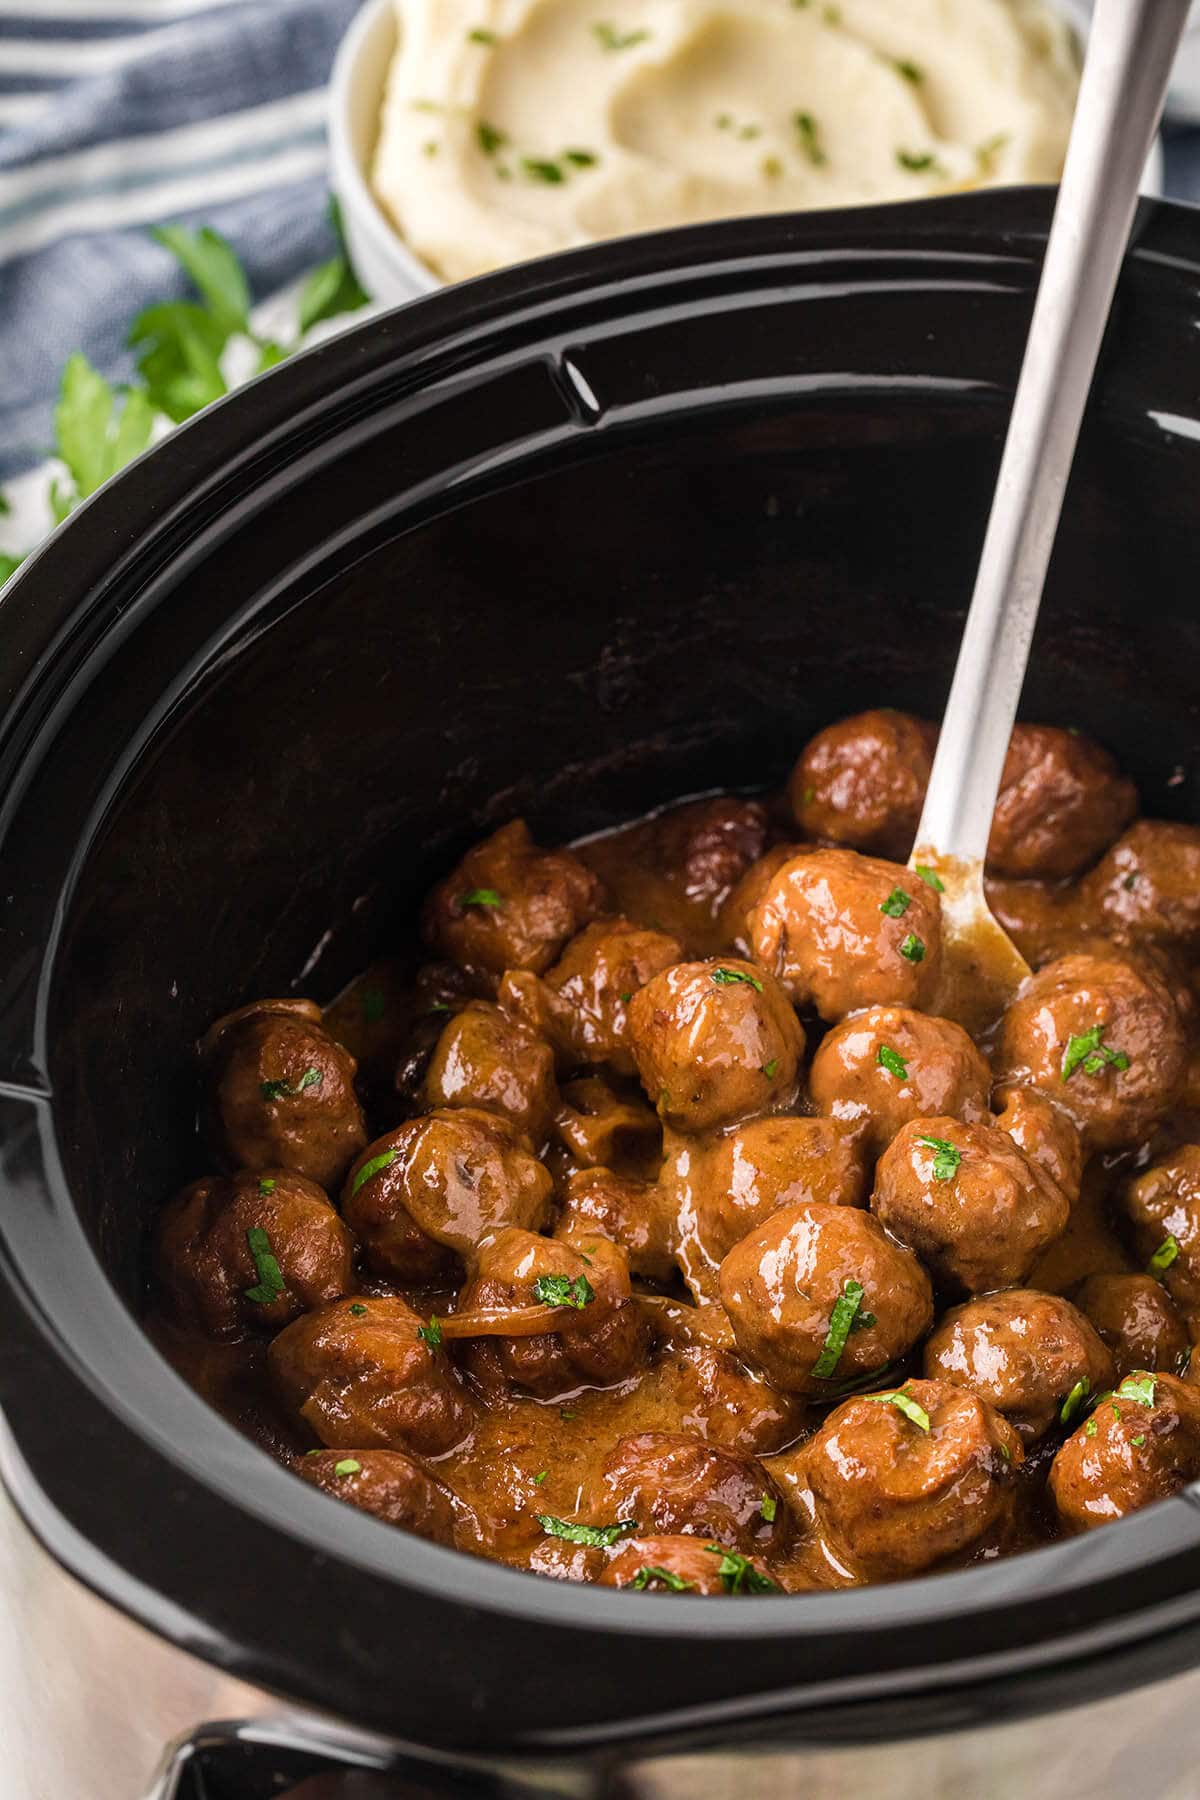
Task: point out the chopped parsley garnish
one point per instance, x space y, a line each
650 1573
772 168
1006 1453
749 132
626 998
904 1403
768 1506
1137 1387
896 904
739 1575
946 1158
985 156
560 1290
1074 1400
277 1090
609 38
771 1069
810 138
724 121
583 159
383 1161
596 1537
270 1282
480 36
374 1006
310 1078
809 795
266 1185
347 1466
727 977
565 1413
358 1310
892 1061
841 1323
540 1477
930 878
911 71
491 138
913 949
1090 1428
431 1334
917 160
1091 1054
1163 1257
484 896
541 168
1139 1440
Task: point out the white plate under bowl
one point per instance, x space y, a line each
388 269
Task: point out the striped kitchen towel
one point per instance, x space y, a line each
116 115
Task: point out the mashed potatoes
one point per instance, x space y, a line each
517 127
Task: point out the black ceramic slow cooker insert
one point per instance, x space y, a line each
566 542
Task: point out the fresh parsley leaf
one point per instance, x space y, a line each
913 949
911 71
896 904
266 1185
480 36
491 138
1089 1052
1138 1441
215 270
92 436
179 347
279 1090
582 159
916 160
912 1409
728 978
1137 1387
1090 1428
946 1159
358 1310
597 1537
431 1334
383 1161
770 1069
768 1506
480 897
1163 1257
810 138
650 1574
541 168
841 1321
348 1466
540 1477
1074 1400
333 288
892 1061
560 1290
270 1282
610 38
930 879
739 1575
5 507
566 1414
8 566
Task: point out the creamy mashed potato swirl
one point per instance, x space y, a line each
513 128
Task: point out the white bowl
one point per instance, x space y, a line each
386 266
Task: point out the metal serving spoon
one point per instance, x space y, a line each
1126 71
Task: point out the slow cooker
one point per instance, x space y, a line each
564 542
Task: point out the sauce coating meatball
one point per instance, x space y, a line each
683 1565
598 1126
631 1213
1148 886
510 904
1030 1355
968 1202
707 845
1141 1443
1044 1133
442 1184
487 1059
886 1065
714 1042
250 1251
1062 801
745 897
1163 1206
819 1296
383 1482
675 1484
862 781
842 931
583 1002
279 1092
1136 1320
1102 1037
359 1374
895 1492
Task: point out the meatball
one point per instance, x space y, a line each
250 1250
598 1126
599 1336
360 1374
708 1390
972 1205
842 931
1135 1318
1062 802
714 1042
862 782
487 1059
1141 1443
1030 1355
887 1065
1148 886
684 1565
819 1297
900 1482
387 1484
1045 1134
442 1184
1163 1206
707 845
1101 1036
510 904
1041 917
279 1093
744 898
673 1483
630 1213
583 1003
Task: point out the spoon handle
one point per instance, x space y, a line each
1125 76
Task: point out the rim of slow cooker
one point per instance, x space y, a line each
94 1370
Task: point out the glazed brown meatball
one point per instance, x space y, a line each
1164 1204
1148 886
598 1126
707 1389
714 1042
358 1374
892 1498
510 904
1041 917
442 1184
782 1284
630 1213
487 1059
1135 1318
1062 802
279 1093
862 782
1101 1036
1141 1443
1030 1355
842 931
583 1003
968 1202
673 1483
599 1335
707 845
745 897
387 1484
205 1263
887 1065
684 1565
1044 1133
